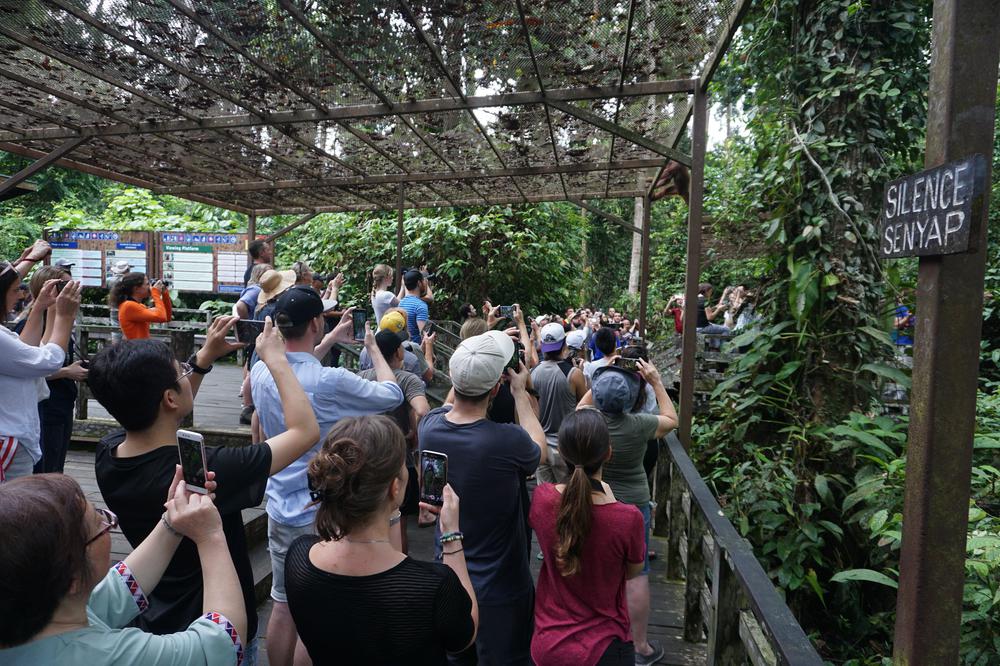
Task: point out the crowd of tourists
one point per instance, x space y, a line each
550 429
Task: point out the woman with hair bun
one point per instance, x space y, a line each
592 544
354 596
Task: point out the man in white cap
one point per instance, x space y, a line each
487 462
560 385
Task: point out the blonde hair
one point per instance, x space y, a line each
380 273
473 326
256 272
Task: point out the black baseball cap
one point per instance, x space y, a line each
300 304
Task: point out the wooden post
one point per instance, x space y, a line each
182 344
677 524
695 583
693 273
399 239
960 122
251 227
83 392
724 644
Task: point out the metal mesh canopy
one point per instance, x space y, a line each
292 106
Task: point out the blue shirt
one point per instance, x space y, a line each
487 463
249 297
416 310
903 336
334 393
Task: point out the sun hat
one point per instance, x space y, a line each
274 282
63 262
553 336
121 267
615 390
479 361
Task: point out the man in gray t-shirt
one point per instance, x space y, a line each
560 385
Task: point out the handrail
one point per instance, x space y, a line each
738 580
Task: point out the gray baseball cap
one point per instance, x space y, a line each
615 390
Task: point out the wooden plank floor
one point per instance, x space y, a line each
666 621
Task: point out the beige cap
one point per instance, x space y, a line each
479 361
272 283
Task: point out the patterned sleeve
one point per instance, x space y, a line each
118 598
211 640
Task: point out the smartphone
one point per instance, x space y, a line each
191 446
360 321
517 357
247 330
61 285
428 328
507 312
433 477
631 364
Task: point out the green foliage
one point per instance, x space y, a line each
526 255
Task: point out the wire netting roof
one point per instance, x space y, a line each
311 106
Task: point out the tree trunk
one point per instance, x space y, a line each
636 263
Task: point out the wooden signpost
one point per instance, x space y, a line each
932 212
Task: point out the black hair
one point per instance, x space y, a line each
122 289
473 398
255 247
129 378
289 330
605 340
412 279
555 355
388 343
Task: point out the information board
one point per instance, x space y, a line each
92 253
203 262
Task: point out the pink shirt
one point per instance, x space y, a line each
577 616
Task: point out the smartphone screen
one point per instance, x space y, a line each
360 320
247 330
428 328
507 312
517 357
191 446
627 363
433 477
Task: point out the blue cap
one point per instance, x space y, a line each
615 390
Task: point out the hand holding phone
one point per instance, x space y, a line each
359 320
191 448
247 330
433 477
507 312
630 364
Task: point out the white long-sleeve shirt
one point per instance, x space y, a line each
20 366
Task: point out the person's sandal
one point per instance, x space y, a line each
652 657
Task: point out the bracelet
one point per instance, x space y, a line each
170 528
395 518
195 368
451 536
452 552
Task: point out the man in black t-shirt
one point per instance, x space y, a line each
149 392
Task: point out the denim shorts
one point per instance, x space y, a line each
647 519
279 540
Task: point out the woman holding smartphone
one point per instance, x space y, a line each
591 544
134 316
390 608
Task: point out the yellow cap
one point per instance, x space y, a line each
393 321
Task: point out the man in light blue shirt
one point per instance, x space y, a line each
418 293
334 393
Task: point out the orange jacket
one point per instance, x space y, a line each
135 318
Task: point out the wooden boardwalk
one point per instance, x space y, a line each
666 621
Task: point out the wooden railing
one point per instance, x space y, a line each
729 600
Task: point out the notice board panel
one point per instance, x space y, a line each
203 262
93 252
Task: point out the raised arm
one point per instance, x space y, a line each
31 334
216 346
301 428
526 416
668 415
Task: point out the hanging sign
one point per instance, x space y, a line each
930 213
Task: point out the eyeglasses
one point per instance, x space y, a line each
109 521
186 370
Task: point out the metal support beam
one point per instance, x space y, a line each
693 273
381 179
644 270
40 164
960 122
610 217
294 225
399 238
732 24
618 130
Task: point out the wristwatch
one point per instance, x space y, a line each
195 368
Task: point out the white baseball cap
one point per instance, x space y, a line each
121 267
576 339
552 336
479 361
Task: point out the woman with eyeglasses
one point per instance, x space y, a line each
60 603
27 359
129 295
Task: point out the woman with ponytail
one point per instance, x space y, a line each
354 596
592 544
382 298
